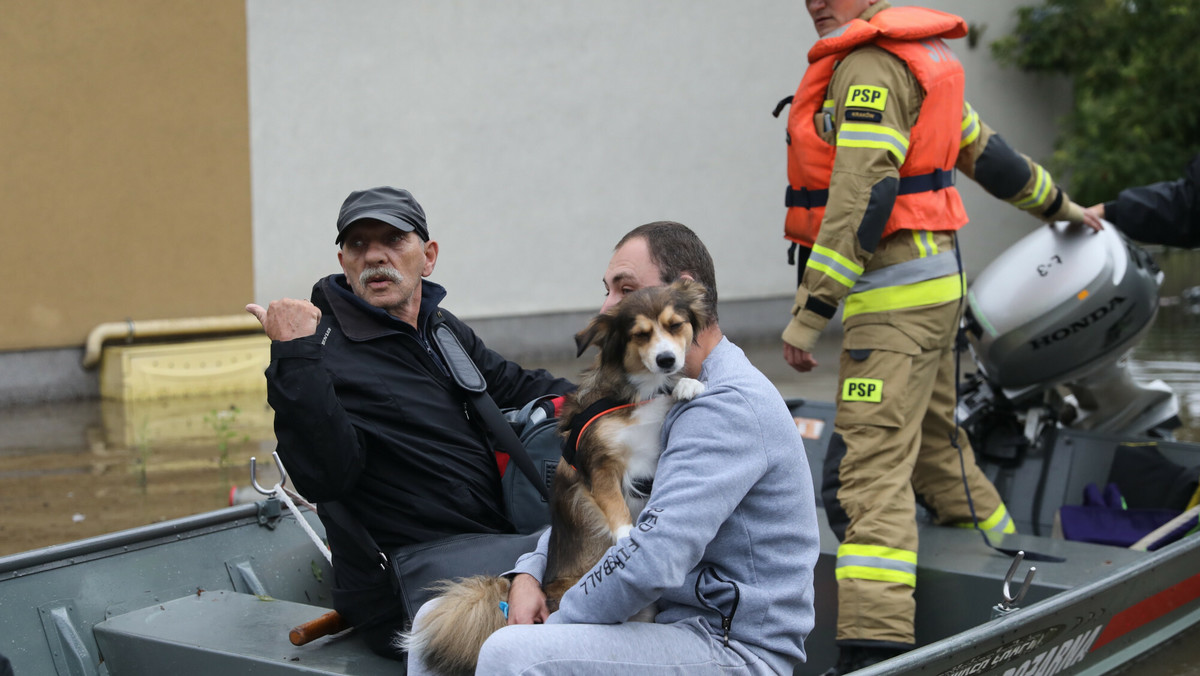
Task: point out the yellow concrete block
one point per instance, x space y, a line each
194 368
184 422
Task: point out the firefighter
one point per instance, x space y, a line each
875 132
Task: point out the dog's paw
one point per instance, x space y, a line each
621 532
687 389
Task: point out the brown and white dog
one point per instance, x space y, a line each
613 423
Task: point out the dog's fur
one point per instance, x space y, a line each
643 341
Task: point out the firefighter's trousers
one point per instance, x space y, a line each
893 442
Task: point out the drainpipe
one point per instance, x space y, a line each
129 329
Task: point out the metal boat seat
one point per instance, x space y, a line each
214 632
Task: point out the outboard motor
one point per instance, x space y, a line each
1051 323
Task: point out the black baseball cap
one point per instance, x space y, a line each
393 206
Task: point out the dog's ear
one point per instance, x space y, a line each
593 334
691 295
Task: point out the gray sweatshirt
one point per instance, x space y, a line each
732 508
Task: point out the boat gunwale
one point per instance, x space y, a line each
991 634
71 552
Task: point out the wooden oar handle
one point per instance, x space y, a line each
329 623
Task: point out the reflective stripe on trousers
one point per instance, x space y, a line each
999 523
872 562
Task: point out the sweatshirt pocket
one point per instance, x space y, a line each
720 595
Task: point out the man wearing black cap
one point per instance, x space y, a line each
366 412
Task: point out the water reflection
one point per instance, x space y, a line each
79 469
1171 349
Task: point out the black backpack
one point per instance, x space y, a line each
536 427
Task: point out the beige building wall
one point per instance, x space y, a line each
125 164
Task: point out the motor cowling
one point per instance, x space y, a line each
1060 304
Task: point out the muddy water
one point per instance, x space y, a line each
1171 353
79 469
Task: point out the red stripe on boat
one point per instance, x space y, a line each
1148 610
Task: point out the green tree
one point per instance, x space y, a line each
1134 66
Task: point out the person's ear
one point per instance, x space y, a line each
431 254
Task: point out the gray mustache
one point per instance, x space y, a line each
371 273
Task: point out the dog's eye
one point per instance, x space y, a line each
640 335
675 326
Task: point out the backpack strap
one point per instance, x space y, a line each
467 376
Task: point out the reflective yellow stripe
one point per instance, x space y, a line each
829 106
998 516
838 258
998 522
835 265
920 245
929 292
1041 190
970 127
878 551
877 574
861 135
926 245
874 562
828 270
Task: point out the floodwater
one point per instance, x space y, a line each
78 469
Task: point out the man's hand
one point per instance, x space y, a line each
799 359
526 602
287 318
1075 214
1092 216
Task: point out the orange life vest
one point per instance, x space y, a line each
927 199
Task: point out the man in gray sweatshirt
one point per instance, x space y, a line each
726 544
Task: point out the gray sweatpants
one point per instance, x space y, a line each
683 648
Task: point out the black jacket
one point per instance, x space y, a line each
367 414
1160 213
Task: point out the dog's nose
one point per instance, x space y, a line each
665 360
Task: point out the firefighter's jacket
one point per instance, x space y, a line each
875 133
